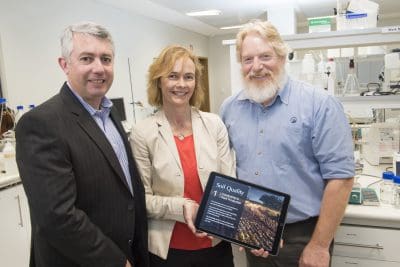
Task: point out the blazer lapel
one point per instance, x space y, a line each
88 125
198 128
166 133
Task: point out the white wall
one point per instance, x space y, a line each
29 46
219 71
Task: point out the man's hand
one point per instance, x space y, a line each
314 256
257 252
128 264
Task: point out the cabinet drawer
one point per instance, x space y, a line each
367 243
338 261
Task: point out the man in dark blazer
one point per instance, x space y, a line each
85 196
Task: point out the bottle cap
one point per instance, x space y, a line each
388 175
351 64
20 107
31 106
396 179
2 100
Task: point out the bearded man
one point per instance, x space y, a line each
294 138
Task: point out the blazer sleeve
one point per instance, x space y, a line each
47 173
158 207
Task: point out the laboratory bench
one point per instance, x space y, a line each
15 222
368 235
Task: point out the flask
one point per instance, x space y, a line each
386 188
396 191
351 86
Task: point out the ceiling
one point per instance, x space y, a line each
235 12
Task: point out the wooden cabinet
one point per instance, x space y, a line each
14 227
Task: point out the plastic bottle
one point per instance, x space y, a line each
396 191
386 188
18 114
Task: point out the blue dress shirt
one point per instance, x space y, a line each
292 145
103 120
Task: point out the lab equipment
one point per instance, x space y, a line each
396 191
381 141
331 73
308 68
8 164
392 70
369 197
396 163
386 188
355 195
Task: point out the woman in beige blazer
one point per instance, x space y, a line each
175 150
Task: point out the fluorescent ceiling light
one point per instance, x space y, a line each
211 12
231 27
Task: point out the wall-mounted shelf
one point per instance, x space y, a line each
362 37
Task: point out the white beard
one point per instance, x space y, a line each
267 92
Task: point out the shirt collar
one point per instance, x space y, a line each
105 105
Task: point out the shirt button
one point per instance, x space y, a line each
261 131
256 173
130 242
130 207
259 153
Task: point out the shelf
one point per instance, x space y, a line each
350 38
384 101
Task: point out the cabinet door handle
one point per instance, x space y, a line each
377 246
21 221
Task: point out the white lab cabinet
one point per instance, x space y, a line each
14 227
357 245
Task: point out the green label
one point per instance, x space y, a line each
320 21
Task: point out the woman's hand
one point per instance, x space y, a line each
190 208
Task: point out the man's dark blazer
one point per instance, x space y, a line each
82 211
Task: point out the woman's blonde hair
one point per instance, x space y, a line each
266 30
163 65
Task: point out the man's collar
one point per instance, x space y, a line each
105 102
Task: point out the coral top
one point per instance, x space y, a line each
182 237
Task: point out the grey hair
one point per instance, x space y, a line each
89 28
267 31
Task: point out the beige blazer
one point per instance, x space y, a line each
157 158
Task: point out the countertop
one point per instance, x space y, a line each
381 216
9 179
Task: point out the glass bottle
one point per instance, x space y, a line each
351 86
